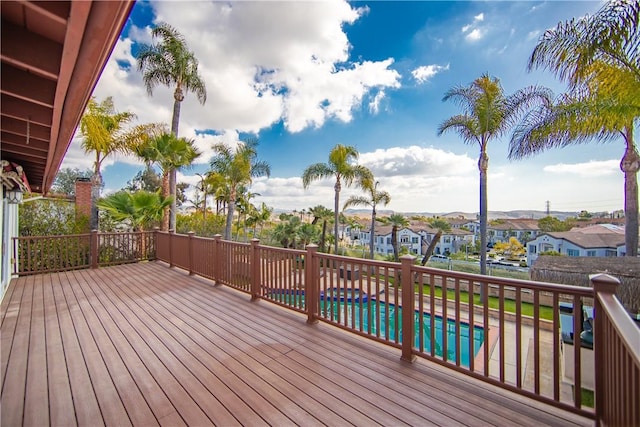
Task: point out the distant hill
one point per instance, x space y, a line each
532 214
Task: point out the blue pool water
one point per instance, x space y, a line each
375 324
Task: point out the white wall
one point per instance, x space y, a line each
9 219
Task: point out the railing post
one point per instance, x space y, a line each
408 296
216 257
255 269
93 245
191 252
310 282
155 242
602 283
171 234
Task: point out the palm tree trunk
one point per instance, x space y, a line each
630 165
336 214
324 236
230 211
172 172
165 193
96 183
372 232
432 246
394 243
483 165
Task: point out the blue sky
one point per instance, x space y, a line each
304 76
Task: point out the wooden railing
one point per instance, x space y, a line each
514 334
45 254
617 353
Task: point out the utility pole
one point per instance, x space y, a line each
548 204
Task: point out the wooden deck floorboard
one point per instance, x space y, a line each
142 344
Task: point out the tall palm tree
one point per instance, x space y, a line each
323 215
104 132
375 198
397 222
171 63
599 56
169 153
488 114
238 167
341 167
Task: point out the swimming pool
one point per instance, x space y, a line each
374 322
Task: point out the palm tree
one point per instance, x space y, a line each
341 167
104 133
323 215
441 226
258 217
140 209
488 114
169 153
599 57
238 167
171 63
397 222
375 198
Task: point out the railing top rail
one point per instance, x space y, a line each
363 261
585 291
64 236
627 331
283 250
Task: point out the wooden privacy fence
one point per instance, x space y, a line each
46 254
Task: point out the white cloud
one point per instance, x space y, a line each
532 35
423 73
588 169
474 35
473 30
414 160
261 62
374 105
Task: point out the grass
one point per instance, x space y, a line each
587 398
546 312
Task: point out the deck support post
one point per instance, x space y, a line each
191 253
171 234
602 283
310 283
216 257
408 307
93 248
255 269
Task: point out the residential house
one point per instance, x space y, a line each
450 241
407 238
595 241
522 229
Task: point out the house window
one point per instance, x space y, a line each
414 251
388 240
414 240
532 249
591 253
404 239
573 252
610 253
447 240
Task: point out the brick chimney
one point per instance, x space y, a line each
83 196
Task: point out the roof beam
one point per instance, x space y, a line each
23 128
24 49
27 86
21 109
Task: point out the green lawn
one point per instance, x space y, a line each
546 312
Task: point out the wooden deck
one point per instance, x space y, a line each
143 344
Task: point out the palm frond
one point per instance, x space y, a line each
315 172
